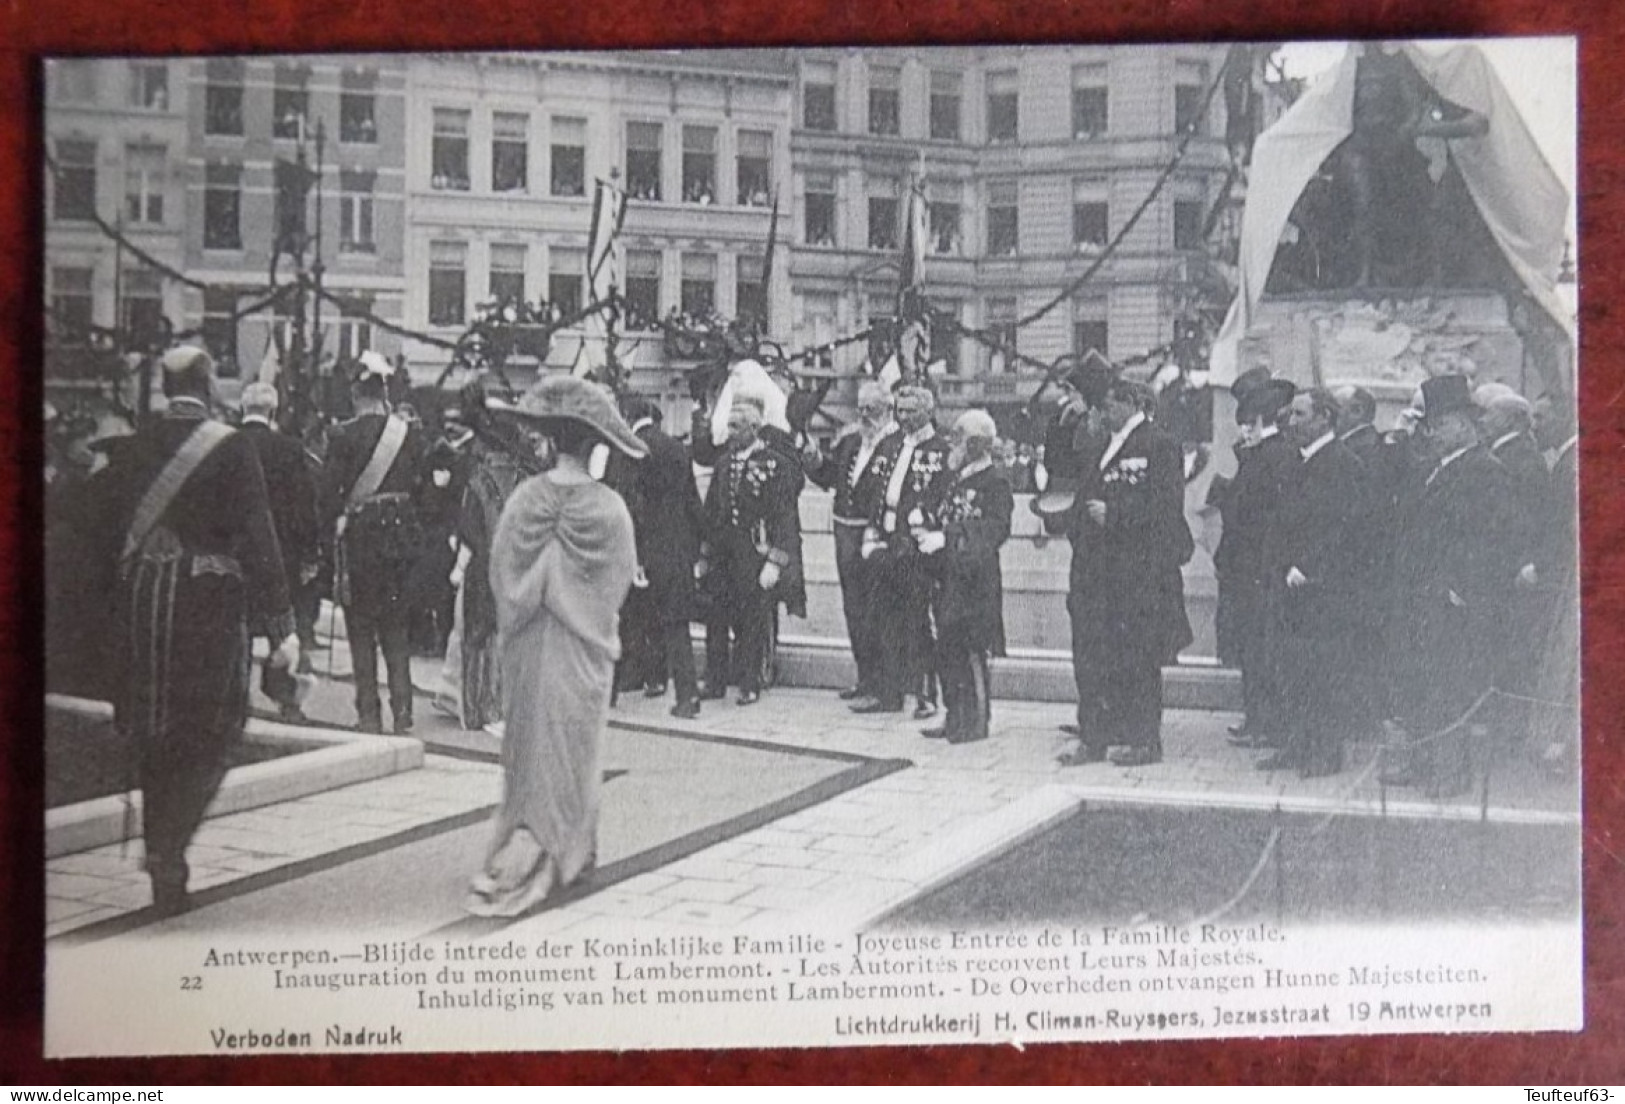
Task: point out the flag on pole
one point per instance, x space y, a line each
271 362
603 274
912 267
767 267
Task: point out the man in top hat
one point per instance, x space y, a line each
198 569
964 531
1266 463
376 472
1127 599
291 486
1316 598
1451 575
856 469
751 553
915 458
669 523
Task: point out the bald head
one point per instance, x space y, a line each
1355 407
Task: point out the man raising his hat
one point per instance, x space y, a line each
376 470
198 568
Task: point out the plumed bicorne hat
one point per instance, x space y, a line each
569 399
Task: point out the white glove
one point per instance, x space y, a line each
931 541
701 569
1295 578
769 578
441 477
640 581
871 543
1528 578
1097 511
286 656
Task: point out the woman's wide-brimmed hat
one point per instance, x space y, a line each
567 398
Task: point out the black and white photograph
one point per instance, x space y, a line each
810 546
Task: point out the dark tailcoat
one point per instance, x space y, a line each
1323 514
1532 513
208 575
1365 443
856 480
968 600
1127 595
669 521
290 485
1452 572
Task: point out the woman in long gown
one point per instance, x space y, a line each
562 562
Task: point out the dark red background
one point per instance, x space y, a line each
32 29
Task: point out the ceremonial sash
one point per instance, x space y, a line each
150 510
378 465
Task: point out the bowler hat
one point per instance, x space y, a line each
1263 399
1443 395
1249 381
567 398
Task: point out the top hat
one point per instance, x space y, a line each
1248 382
567 398
1443 395
1263 399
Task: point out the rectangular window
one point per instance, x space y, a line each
74 80
220 328
149 85
642 290
223 98
1190 96
820 211
355 331
1090 229
506 281
750 296
1001 323
945 334
945 104
643 161
448 156
141 313
1090 329
567 269
448 283
1003 107
222 206
699 165
145 176
356 211
755 168
74 183
72 304
510 152
290 102
1003 225
569 157
358 97
699 290
818 96
882 222
1188 223
885 102
1089 101
945 228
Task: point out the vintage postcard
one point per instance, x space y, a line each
807 547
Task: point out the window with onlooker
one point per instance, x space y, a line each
146 178
1089 101
220 328
1091 228
222 205
358 105
882 222
141 307
1001 326
754 177
73 304
566 272
1190 98
945 227
568 171
1003 107
223 97
448 283
818 96
290 102
885 101
819 229
1003 224
1090 328
699 165
510 152
149 85
448 150
643 161
506 279
642 290
356 189
946 100
699 291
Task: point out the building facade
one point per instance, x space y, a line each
505 154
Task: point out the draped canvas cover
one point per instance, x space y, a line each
561 565
1515 191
